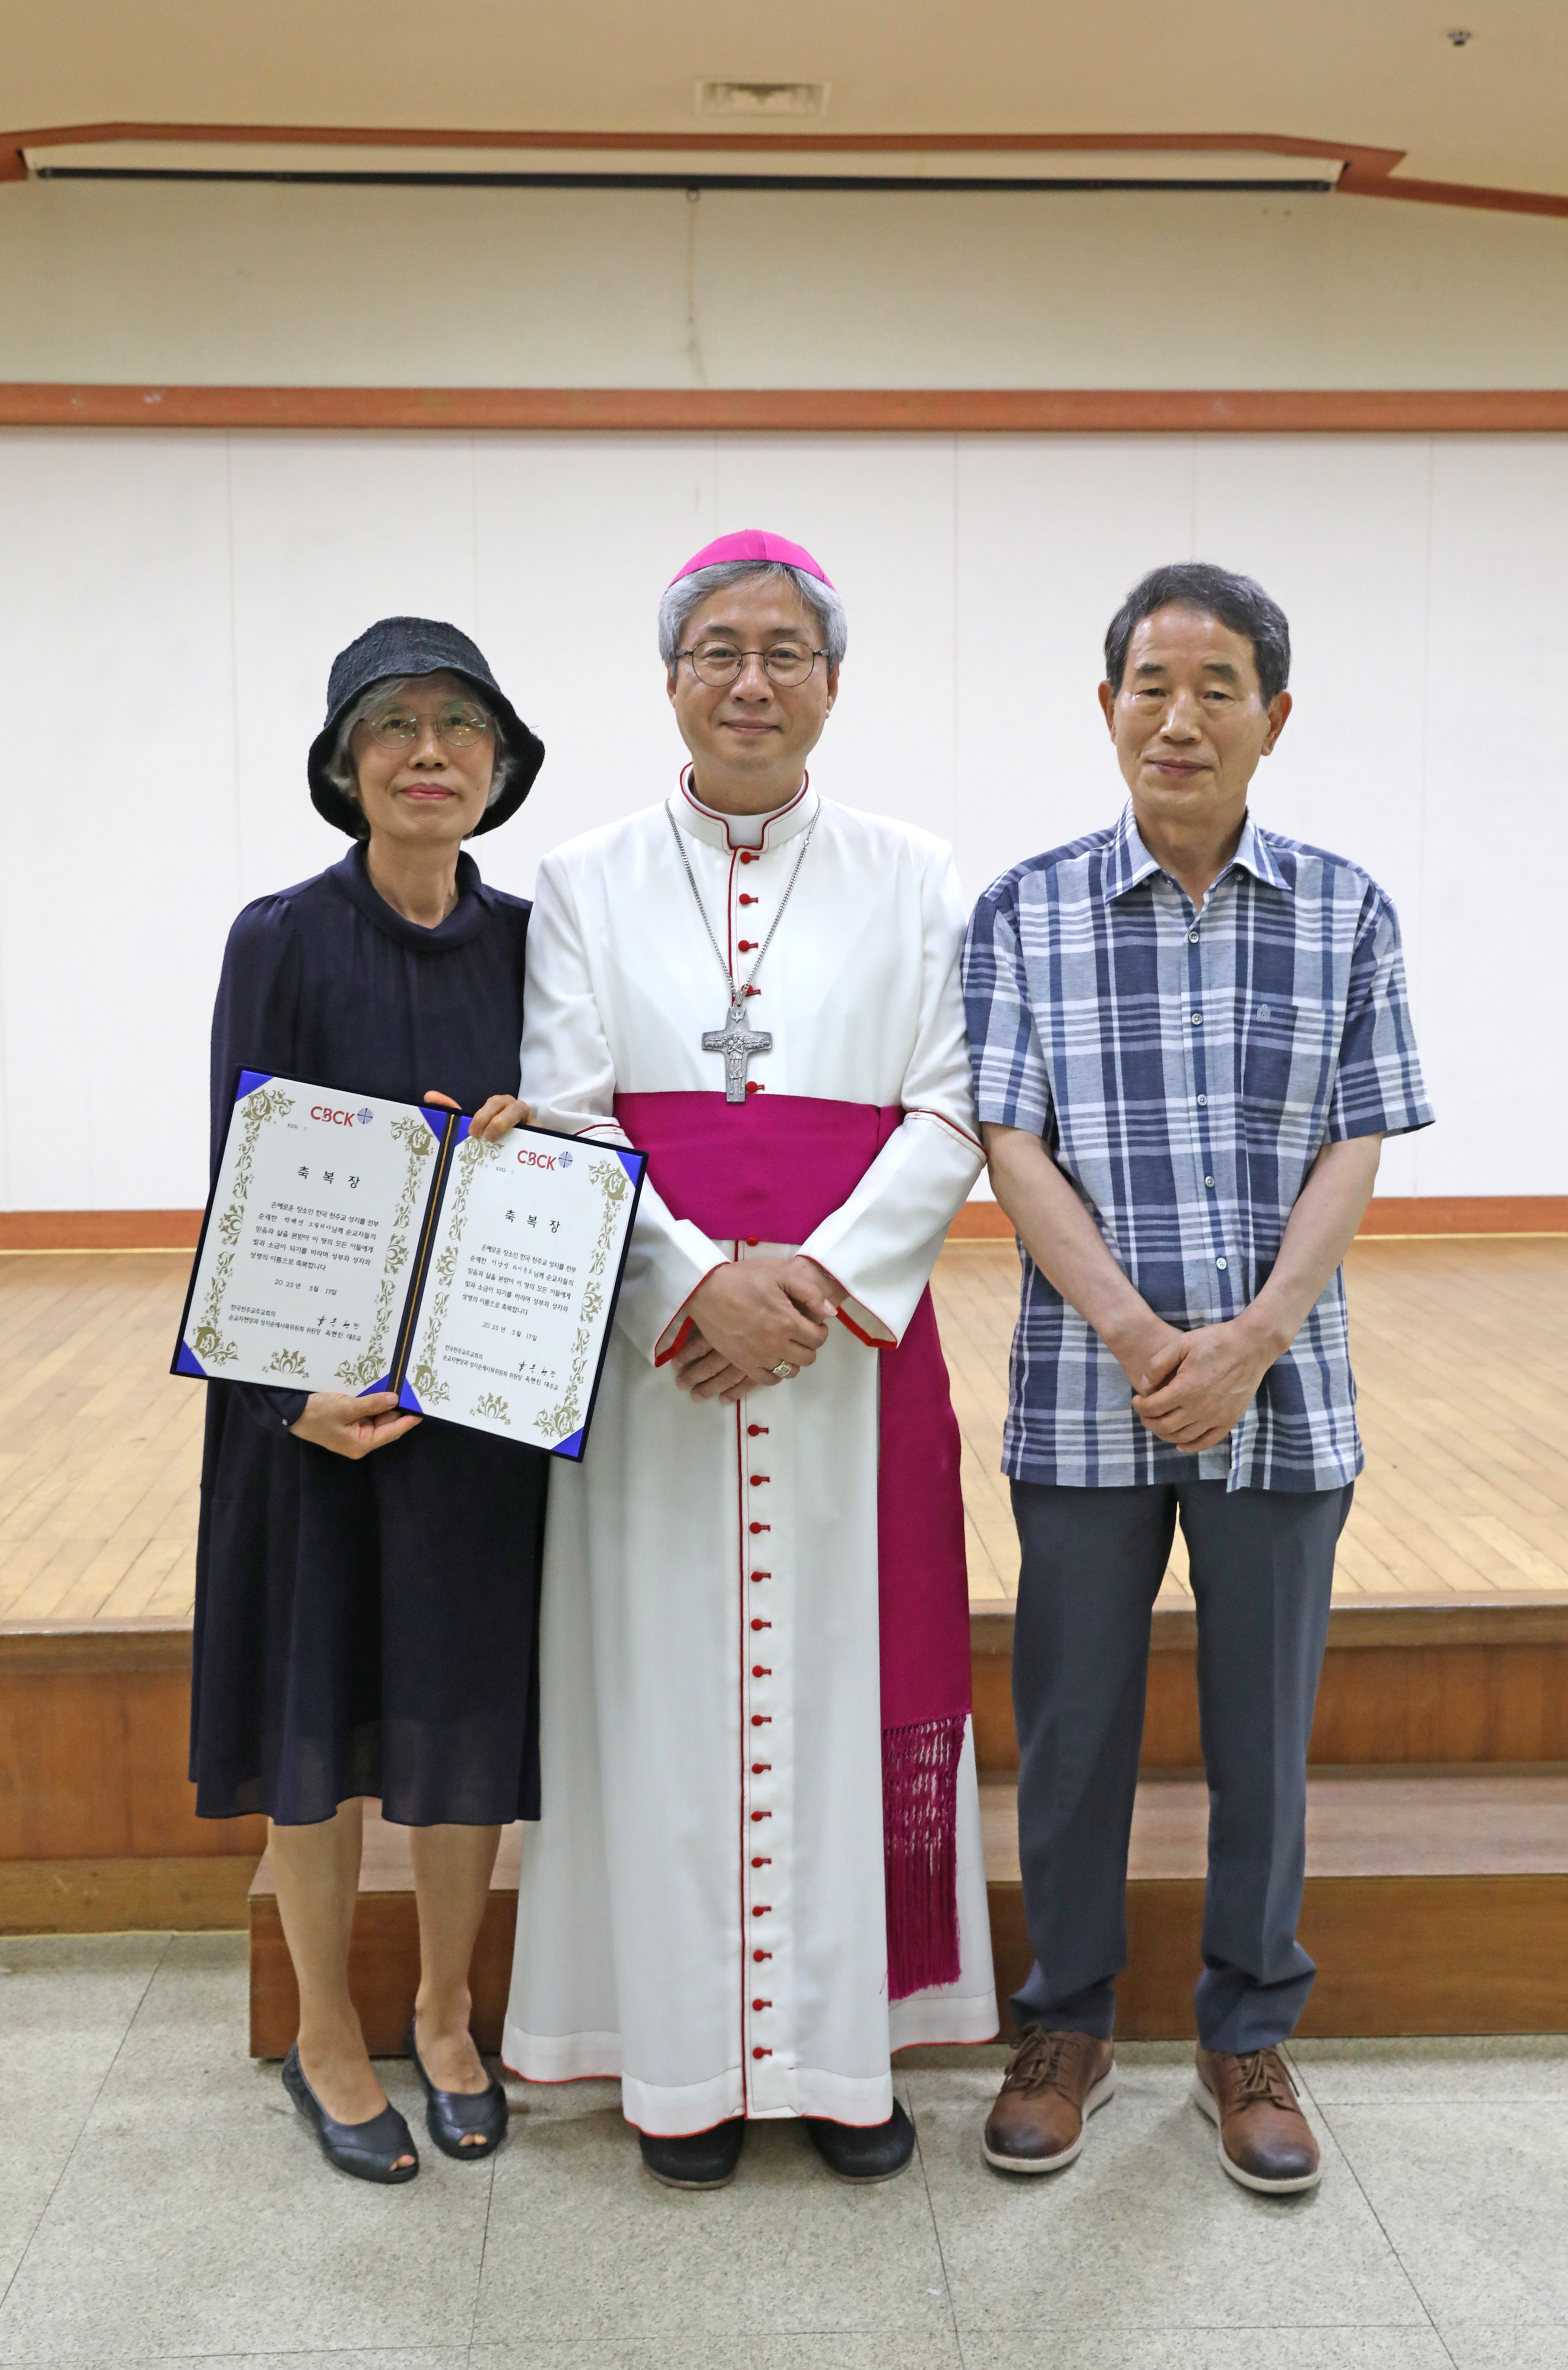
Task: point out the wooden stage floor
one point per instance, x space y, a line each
1465 1497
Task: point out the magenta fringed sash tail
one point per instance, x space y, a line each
771 1170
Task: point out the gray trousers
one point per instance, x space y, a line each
1262 1564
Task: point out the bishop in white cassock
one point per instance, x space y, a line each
758 1869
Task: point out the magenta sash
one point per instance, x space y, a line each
772 1168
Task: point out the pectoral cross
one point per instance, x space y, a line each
737 1043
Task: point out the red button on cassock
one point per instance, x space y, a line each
757 1769
762 1814
762 2053
746 899
762 1625
756 2004
759 1478
762 1863
761 1954
762 1719
751 1242
745 945
760 1526
765 1910
748 855
759 1671
755 1431
756 1086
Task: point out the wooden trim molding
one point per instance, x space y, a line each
1367 172
100 1230
1467 1213
1266 411
1394 1214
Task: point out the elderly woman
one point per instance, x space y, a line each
366 1582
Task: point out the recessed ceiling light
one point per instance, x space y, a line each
761 98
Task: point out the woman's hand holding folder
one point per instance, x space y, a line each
350 1426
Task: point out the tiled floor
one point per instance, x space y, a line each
160 2200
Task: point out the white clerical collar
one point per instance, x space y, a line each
730 831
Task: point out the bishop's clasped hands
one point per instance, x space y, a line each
752 1324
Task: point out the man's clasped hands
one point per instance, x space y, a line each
748 1320
1191 1389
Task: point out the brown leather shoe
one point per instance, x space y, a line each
1265 2141
1054 2083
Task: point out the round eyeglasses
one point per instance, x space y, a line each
719 664
457 725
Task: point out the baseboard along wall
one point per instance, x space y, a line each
1390 1214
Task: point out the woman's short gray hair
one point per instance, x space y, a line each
687 593
343 774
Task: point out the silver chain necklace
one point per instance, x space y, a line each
735 1041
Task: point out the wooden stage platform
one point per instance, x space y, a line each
1438 1877
1465 1497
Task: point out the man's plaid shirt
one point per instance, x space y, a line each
1184 1070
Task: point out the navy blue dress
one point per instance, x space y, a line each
369 1627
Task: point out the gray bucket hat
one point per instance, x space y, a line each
394 647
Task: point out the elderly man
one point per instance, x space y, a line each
1190 1038
759 1868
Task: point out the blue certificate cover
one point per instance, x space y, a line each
356 1243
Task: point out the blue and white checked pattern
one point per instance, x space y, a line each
1184 1070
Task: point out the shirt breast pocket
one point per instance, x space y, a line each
1287 1065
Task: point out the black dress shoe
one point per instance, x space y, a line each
697 2159
453 2115
864 2151
368 2151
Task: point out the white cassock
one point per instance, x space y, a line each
701 1906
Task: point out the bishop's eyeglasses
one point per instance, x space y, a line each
458 724
718 663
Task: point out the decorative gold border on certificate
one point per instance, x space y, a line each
207 1342
560 1422
428 1388
415 1133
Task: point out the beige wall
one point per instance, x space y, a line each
289 285
1378 71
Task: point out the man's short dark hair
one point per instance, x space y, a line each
1236 600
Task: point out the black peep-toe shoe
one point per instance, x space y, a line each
368 2151
454 2116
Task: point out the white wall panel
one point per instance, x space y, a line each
1337 529
878 513
577 538
177 600
1495 988
117 870
1051 533
328 534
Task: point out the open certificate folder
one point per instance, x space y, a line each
357 1245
